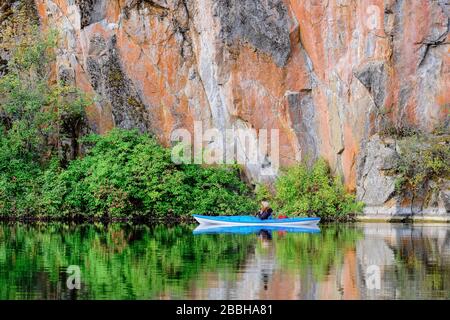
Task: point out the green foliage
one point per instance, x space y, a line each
36 116
422 158
397 130
263 193
302 190
126 174
123 175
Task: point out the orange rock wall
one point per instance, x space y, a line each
328 74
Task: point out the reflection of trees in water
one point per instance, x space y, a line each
414 260
304 262
316 254
121 261
422 263
117 261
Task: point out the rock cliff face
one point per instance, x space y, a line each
377 188
328 74
12 16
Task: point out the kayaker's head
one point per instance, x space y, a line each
264 204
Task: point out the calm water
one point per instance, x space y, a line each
119 261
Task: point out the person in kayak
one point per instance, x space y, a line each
265 212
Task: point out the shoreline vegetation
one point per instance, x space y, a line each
51 170
152 220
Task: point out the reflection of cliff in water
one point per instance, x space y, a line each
413 260
159 262
290 266
254 274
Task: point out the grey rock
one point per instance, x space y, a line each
445 198
445 6
91 11
113 87
66 75
374 187
263 24
302 113
373 75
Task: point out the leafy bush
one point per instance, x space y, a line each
422 158
263 193
397 130
129 174
36 116
305 191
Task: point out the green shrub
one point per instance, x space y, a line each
399 130
127 174
306 191
263 193
36 115
422 158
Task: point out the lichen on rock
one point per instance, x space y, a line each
113 87
91 11
263 24
16 19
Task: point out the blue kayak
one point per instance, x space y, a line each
220 229
254 221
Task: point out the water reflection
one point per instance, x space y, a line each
120 261
214 229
